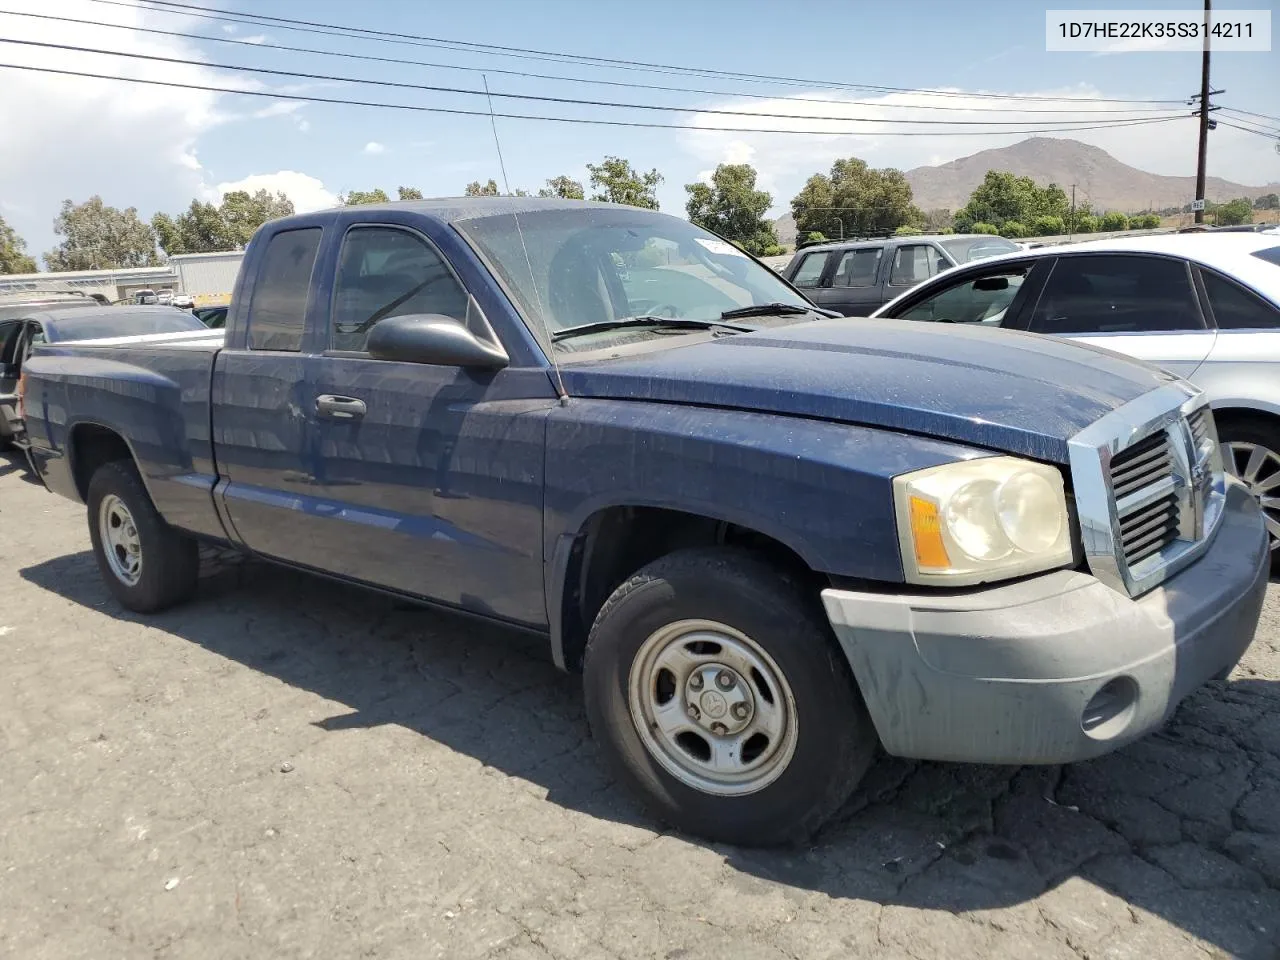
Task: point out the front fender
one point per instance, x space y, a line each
822 489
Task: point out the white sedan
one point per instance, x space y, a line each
1204 306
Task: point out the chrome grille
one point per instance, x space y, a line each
1147 525
1149 487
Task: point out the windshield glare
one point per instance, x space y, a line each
126 325
590 265
966 249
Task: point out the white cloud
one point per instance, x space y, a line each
303 125
306 192
71 137
256 38
373 148
278 108
786 160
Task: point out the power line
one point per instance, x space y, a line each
559 77
1269 134
419 108
310 26
1064 125
1250 113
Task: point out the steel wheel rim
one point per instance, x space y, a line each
1258 468
712 707
121 544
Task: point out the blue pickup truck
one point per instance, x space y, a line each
771 541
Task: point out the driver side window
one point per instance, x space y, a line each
385 272
983 299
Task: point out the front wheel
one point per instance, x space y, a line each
1251 451
146 564
720 697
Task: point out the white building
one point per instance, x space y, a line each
206 277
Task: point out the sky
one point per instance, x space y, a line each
157 148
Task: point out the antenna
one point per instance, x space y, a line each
537 295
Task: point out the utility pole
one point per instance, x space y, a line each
1204 118
1071 230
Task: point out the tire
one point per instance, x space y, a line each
1239 439
168 561
814 765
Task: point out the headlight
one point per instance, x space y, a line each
978 520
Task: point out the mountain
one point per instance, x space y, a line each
1102 182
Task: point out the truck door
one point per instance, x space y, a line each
259 398
429 478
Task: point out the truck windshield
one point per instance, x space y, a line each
577 267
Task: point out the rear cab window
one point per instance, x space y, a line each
278 307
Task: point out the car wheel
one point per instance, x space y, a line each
1251 451
146 564
720 697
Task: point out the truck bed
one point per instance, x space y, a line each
154 390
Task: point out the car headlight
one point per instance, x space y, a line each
978 520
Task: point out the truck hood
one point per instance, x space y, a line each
999 389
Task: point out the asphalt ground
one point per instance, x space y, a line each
286 768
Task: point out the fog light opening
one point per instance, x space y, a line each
1108 713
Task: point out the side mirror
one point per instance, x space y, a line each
991 283
434 339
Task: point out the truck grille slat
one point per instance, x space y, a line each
1147 529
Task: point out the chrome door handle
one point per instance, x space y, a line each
339 408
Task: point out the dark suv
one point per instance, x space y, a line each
856 277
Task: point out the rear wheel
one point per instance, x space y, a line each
1251 451
719 696
146 564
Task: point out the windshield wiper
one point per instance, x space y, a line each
622 323
768 310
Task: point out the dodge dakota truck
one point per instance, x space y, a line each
771 541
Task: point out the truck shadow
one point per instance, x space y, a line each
15 461
1183 825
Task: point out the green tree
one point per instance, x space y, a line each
99 237
1086 223
1268 201
1003 196
810 238
1014 230
988 228
245 212
857 198
614 180
199 229
1112 221
732 207
206 227
1047 225
476 189
1144 221
907 230
409 193
356 197
565 187
1230 214
13 252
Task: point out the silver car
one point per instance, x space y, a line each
1204 306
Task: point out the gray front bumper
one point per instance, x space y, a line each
1004 674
